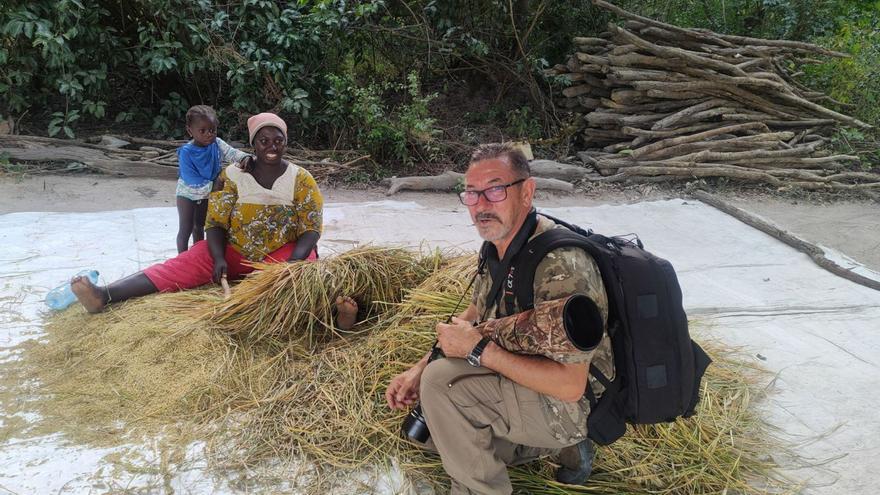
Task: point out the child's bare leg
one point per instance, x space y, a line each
346 312
185 209
95 298
200 211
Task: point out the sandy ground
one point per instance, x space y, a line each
852 228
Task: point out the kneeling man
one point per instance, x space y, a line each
486 407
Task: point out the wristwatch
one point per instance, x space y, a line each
473 358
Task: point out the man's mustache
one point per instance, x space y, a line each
487 216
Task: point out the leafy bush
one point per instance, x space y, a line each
56 48
855 80
364 116
350 73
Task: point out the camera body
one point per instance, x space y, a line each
415 427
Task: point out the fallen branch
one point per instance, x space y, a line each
814 252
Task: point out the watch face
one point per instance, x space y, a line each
473 360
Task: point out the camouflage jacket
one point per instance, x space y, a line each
563 272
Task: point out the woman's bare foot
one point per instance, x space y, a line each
91 297
346 312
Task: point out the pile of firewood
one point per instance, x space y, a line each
661 102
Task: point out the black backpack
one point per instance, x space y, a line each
658 366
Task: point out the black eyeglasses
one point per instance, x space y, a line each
494 194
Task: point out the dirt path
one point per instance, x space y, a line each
853 228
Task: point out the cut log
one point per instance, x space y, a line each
574 91
555 170
55 154
670 27
701 102
656 147
671 52
449 180
124 168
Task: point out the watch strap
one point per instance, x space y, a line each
477 352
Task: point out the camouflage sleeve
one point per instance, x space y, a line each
568 271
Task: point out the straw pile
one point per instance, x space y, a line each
160 360
143 363
293 303
661 102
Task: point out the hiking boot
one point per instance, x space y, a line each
576 463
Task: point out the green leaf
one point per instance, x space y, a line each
54 127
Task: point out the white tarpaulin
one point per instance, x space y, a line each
818 333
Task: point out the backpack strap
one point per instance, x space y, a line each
570 226
534 252
507 265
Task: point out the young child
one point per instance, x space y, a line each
200 162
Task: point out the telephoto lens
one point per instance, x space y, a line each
414 426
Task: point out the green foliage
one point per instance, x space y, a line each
7 167
522 124
866 145
63 121
350 74
96 58
856 80
171 114
780 19
57 49
364 116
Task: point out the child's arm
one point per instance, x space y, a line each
230 154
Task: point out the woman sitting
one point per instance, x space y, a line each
269 210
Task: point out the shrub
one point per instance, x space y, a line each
366 117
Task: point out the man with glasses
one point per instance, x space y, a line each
487 408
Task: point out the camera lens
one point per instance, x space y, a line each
414 426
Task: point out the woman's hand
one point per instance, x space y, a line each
220 268
218 184
305 244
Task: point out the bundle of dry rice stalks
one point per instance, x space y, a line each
294 303
158 361
155 360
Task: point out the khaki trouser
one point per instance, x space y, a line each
480 422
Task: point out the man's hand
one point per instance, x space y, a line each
220 268
457 339
403 391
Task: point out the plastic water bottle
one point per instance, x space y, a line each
62 296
